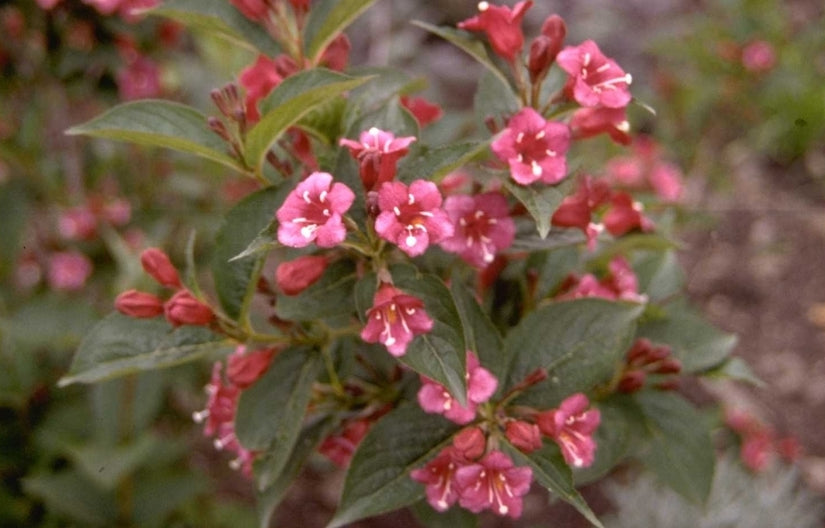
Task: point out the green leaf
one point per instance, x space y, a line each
157 496
384 84
660 274
433 163
68 493
274 486
578 342
330 296
681 452
696 343
541 203
288 103
107 465
736 369
452 518
480 334
378 479
120 345
441 353
494 98
462 39
234 278
221 18
271 411
550 470
159 123
327 19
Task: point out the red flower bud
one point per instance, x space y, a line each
470 442
555 29
545 47
669 366
157 264
632 381
523 435
138 304
184 309
295 276
245 368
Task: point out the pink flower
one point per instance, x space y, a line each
244 368
646 168
758 56
595 80
534 148
666 180
68 270
502 26
184 309
481 385
336 54
493 483
577 209
412 217
47 4
259 80
140 79
571 426
395 319
482 227
313 212
625 215
619 283
77 223
377 153
422 110
295 276
221 405
340 447
138 304
589 122
439 477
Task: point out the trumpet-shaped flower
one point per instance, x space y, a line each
313 212
534 148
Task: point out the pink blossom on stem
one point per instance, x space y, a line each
502 25
493 483
221 404
140 79
482 227
481 385
595 80
377 153
422 110
758 56
68 270
572 426
624 215
577 209
534 148
77 223
439 478
313 212
336 55
340 447
259 80
295 276
395 319
589 122
411 217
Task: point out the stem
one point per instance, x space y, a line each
519 77
334 381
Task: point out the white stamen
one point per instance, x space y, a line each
326 212
624 126
199 417
551 153
483 6
537 170
323 196
519 137
236 464
520 158
410 199
306 197
410 240
462 222
410 311
638 207
309 230
373 131
397 211
603 68
540 134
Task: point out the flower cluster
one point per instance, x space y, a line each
620 283
644 359
760 445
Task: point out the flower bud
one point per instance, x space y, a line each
470 442
632 381
540 59
245 368
555 29
295 276
139 304
523 435
669 365
157 264
184 309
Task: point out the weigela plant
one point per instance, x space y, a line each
450 322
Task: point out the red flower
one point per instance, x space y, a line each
534 148
493 483
595 80
313 212
244 368
295 276
481 385
259 79
589 122
157 264
502 26
340 447
377 153
411 217
395 319
572 426
422 110
439 477
625 215
482 227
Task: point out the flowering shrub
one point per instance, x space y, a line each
452 322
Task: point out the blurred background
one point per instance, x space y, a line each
738 88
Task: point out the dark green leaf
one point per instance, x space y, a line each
467 43
120 345
660 274
274 486
550 470
435 163
158 495
383 85
528 240
697 344
107 465
378 479
578 342
681 453
159 123
68 493
480 334
440 354
288 103
541 203
221 18
234 278
327 19
736 369
271 411
494 98
330 296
